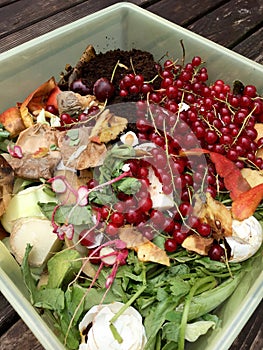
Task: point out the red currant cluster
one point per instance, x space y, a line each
216 118
222 120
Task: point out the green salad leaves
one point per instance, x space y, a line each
175 302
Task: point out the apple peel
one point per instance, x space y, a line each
246 203
234 181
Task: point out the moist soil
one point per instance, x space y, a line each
104 64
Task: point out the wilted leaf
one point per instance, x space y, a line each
92 156
253 177
84 154
197 244
12 121
146 250
38 161
215 214
108 127
32 168
36 101
39 136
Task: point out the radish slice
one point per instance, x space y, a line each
59 185
15 151
66 230
82 196
108 256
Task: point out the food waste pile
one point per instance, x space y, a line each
143 181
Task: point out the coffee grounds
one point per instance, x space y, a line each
133 61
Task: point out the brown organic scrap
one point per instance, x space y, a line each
84 154
87 55
108 127
197 244
6 184
214 213
16 119
145 249
37 161
73 103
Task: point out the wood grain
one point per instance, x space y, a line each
251 47
184 13
8 316
231 23
19 337
52 16
251 337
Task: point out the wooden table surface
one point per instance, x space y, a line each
236 24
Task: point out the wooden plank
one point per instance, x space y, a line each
8 316
199 18
13 16
6 2
230 23
19 337
251 47
54 21
251 336
184 13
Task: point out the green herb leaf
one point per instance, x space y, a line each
75 215
50 298
105 195
29 280
62 267
194 330
114 161
4 134
128 185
